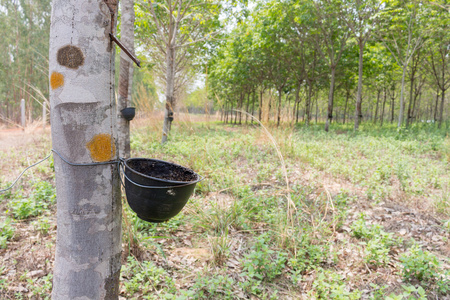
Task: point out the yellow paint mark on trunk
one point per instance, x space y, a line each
56 80
102 147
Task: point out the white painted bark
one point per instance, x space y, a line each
170 88
22 113
88 244
126 75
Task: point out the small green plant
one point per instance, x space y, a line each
6 232
329 285
410 293
376 253
215 287
420 265
220 248
41 287
41 198
145 277
262 262
42 225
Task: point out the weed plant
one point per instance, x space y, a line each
241 166
42 196
6 232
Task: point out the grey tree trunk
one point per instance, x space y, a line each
83 119
384 103
279 107
441 113
308 105
22 113
170 98
125 76
358 113
402 100
346 103
330 99
376 108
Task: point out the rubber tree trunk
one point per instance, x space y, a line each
260 103
409 112
358 112
346 104
441 113
376 108
330 99
382 110
125 76
170 97
279 107
84 130
308 105
402 100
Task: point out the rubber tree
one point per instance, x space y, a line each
403 31
359 16
125 75
171 31
438 56
84 131
331 42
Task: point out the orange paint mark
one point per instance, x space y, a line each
56 80
102 147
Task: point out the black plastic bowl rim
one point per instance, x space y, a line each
178 183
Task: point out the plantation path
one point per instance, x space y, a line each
12 138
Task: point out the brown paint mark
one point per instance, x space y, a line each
102 147
70 56
56 80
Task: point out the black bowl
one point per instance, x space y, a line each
158 190
128 113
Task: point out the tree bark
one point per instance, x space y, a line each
84 130
402 92
125 76
260 103
170 97
330 99
346 103
308 105
437 103
376 108
358 113
279 107
382 110
441 114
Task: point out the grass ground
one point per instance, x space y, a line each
363 215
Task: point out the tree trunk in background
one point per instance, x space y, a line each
125 76
417 107
408 116
296 103
382 110
253 104
247 107
317 108
358 113
330 99
376 108
170 97
308 105
260 104
279 107
346 103
436 106
392 104
441 114
88 242
402 100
